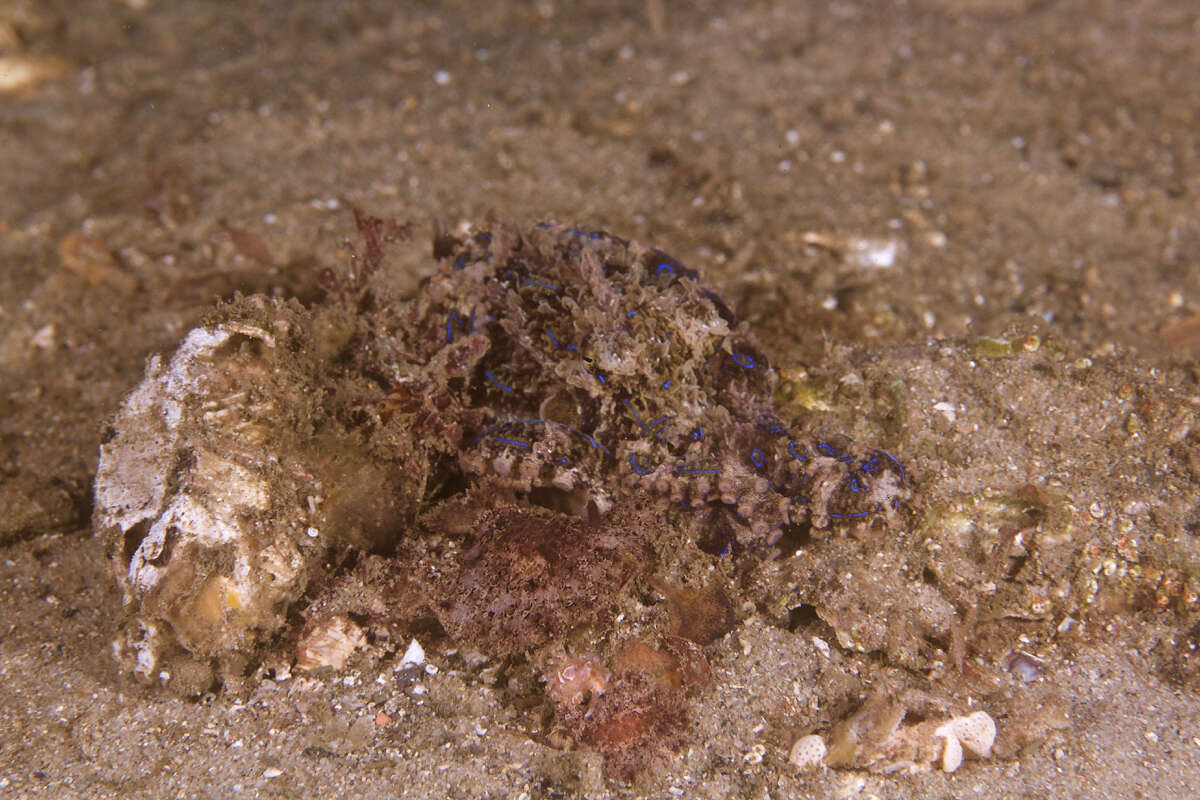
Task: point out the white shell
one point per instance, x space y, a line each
808 752
205 493
976 732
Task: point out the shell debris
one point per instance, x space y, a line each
808 752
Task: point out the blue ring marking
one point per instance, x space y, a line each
855 486
664 266
744 360
828 449
792 450
492 378
667 385
870 466
636 468
756 457
899 466
531 282
502 440
450 322
551 335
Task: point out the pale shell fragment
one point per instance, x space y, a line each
199 490
808 752
974 733
329 643
414 656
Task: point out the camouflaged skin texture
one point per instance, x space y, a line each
588 367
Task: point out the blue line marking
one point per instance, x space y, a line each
795 455
629 314
458 262
899 466
654 424
551 335
744 360
635 414
492 378
698 434
601 378
449 322
636 468
827 449
509 441
532 282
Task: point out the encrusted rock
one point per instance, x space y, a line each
207 492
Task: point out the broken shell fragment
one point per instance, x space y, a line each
808 752
329 643
203 488
975 732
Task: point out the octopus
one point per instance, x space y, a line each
586 368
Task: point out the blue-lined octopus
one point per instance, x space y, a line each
582 367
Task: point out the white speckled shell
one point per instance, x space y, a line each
205 493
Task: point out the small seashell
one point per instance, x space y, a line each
329 643
808 752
